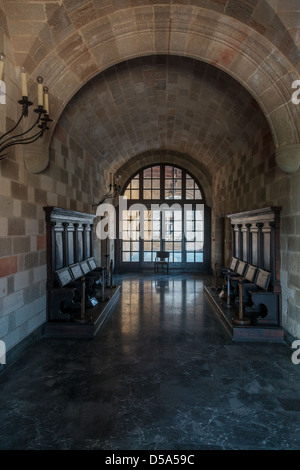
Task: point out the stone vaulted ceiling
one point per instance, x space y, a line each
105 64
163 102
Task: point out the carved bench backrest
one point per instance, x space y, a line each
64 276
233 263
92 263
240 269
256 239
85 267
263 279
76 271
250 273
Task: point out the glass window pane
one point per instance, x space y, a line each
126 257
190 246
155 225
156 172
134 257
169 246
134 194
126 246
156 235
189 183
177 194
127 193
134 235
198 246
147 235
177 257
168 172
125 225
177 173
199 215
177 246
125 235
189 226
147 246
134 214
135 183
190 194
155 184
156 246
189 215
190 257
199 257
178 225
135 246
147 194
147 256
198 194
147 173
156 194
190 236
147 184
199 236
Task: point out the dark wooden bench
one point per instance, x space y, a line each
65 299
79 287
261 302
232 277
246 274
221 272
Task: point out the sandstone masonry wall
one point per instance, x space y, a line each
251 180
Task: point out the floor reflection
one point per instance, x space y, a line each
161 374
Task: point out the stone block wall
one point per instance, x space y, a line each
251 180
72 180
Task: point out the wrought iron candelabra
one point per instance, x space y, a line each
37 129
114 191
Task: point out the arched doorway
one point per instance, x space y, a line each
164 210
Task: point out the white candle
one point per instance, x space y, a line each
46 100
2 59
24 82
40 92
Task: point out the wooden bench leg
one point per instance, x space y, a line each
241 320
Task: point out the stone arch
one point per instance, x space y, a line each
185 30
183 160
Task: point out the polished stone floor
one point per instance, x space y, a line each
161 374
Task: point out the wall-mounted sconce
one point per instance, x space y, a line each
114 190
37 130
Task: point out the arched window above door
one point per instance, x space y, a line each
165 212
163 182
